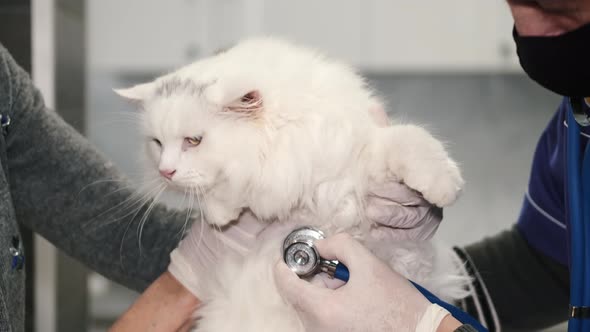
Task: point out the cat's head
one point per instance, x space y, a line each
197 133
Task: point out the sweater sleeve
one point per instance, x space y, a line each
515 287
65 190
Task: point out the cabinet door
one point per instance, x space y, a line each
452 35
135 35
334 26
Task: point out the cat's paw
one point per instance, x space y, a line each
218 214
440 183
422 163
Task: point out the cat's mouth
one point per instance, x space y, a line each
174 185
183 186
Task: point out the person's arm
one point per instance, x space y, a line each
165 306
448 324
517 287
68 192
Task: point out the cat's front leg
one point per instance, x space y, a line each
218 212
421 162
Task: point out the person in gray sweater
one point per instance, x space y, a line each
55 183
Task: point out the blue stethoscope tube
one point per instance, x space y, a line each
343 274
578 184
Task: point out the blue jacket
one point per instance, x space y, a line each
543 217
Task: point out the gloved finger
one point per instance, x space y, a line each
301 294
393 214
323 280
396 192
345 249
424 231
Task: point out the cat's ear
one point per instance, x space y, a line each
136 93
248 104
237 95
377 113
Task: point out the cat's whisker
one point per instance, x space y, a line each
202 207
146 214
99 182
153 181
188 214
135 212
125 114
112 122
135 198
108 181
190 207
186 208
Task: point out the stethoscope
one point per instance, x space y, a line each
578 184
302 257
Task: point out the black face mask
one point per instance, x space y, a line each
560 64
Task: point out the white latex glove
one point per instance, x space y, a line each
374 299
200 250
400 213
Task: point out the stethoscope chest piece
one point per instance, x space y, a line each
300 253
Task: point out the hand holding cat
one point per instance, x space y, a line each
396 211
202 247
374 299
400 213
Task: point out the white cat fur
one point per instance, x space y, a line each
303 146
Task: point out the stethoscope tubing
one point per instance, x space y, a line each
578 183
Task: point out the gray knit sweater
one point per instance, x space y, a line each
52 182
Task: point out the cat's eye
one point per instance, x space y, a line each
193 141
157 141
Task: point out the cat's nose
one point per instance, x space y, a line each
167 173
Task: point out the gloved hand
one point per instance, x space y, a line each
400 213
397 213
374 299
200 250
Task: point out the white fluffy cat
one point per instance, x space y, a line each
285 132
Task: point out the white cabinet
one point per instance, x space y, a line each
374 35
395 35
451 35
137 35
336 27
